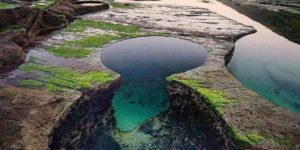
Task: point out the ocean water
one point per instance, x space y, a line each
143 64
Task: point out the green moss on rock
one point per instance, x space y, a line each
82 24
68 51
43 5
56 79
216 98
247 140
83 47
254 137
4 5
122 5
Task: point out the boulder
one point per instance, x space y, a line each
11 56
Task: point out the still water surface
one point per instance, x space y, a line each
144 63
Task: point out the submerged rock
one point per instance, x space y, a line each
286 79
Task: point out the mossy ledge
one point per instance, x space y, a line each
122 5
58 79
4 5
191 104
215 101
84 46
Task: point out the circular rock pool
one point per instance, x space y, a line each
143 64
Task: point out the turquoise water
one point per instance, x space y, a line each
269 65
143 64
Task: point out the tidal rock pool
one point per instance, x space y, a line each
143 64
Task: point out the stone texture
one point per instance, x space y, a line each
28 116
270 4
90 115
186 20
37 22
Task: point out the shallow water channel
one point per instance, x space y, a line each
143 64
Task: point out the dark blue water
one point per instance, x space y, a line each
144 63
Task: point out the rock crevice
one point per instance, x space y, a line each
90 116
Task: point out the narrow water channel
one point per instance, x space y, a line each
264 61
143 64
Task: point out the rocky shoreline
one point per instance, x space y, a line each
35 22
276 15
274 5
41 111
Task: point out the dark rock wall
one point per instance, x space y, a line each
188 105
89 117
282 22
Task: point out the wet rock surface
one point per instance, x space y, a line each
186 20
28 116
34 22
270 4
276 15
90 118
49 120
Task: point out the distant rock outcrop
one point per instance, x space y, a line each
34 22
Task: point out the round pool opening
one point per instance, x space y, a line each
143 64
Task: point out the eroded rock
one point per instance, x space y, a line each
11 55
37 22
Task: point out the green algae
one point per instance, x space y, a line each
247 140
40 84
56 79
43 5
216 98
4 5
67 51
92 41
254 137
81 25
122 5
83 47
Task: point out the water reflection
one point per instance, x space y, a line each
143 64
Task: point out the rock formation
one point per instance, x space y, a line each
34 22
